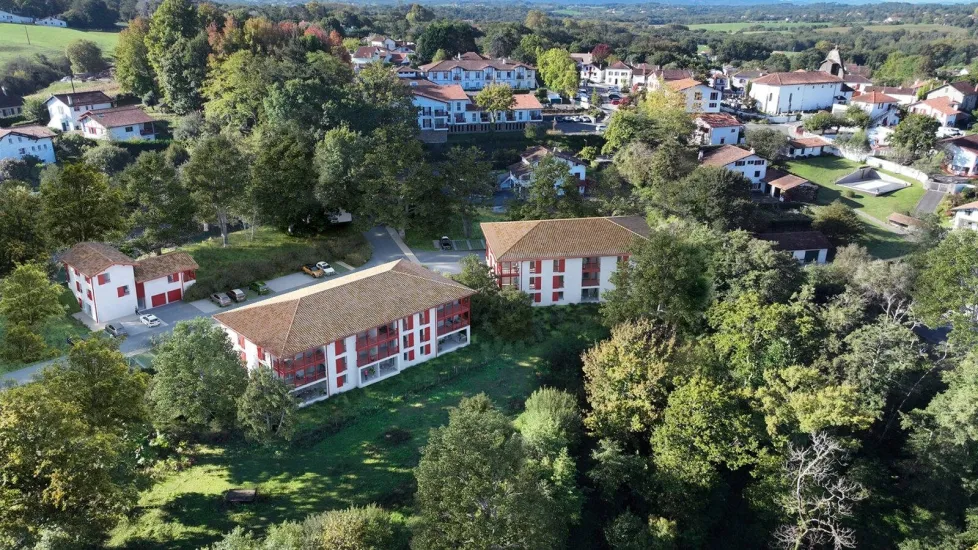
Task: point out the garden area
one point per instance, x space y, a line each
355 448
879 238
269 253
55 332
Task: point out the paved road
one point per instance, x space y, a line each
385 249
928 203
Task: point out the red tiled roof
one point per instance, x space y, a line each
874 97
963 86
942 105
473 62
155 267
798 77
367 51
82 98
783 180
969 142
968 206
90 258
807 143
891 90
857 78
450 92
118 116
724 155
683 84
33 131
619 65
563 238
526 101
719 120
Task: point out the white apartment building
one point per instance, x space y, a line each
352 331
779 93
966 216
118 124
717 129
108 284
559 262
21 141
51 22
700 98
66 109
444 109
739 160
472 71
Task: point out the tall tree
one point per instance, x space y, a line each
132 67
715 196
468 179
79 205
283 180
553 193
178 53
85 57
199 379
558 71
161 205
266 410
946 290
237 88
497 99
768 143
916 133
454 37
29 298
216 176
22 239
839 223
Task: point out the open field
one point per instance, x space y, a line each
921 27
353 463
55 333
825 170
47 40
110 88
739 26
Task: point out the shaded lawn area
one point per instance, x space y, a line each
50 41
825 170
422 239
55 333
271 253
341 456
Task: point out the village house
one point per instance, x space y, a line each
374 54
788 187
805 246
808 147
108 284
444 109
966 216
779 93
118 124
21 141
881 108
963 93
521 173
739 79
904 96
618 74
700 98
658 77
389 44
565 261
7 17
11 104
962 155
717 129
52 22
473 71
589 71
353 331
943 109
66 109
737 159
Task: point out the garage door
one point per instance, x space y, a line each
158 300
173 296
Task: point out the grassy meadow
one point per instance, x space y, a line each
26 40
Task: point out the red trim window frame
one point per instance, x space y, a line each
537 297
340 381
241 341
340 365
122 291
103 278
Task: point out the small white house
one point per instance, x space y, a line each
736 159
881 108
808 147
52 22
700 98
19 142
7 17
963 93
118 124
717 129
521 173
779 93
943 109
805 246
962 154
618 74
904 95
966 216
66 109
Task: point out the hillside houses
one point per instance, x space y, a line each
22 141
699 98
520 173
473 71
444 109
67 109
118 124
717 129
737 159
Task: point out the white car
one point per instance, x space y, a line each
600 128
327 269
150 320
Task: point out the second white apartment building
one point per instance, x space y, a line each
473 71
559 262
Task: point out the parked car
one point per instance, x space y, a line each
616 102
312 269
586 119
150 320
237 295
116 330
600 128
445 244
220 299
614 96
260 288
327 269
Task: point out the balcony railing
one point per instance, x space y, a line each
591 267
374 341
451 311
453 324
441 112
376 372
289 365
590 282
440 125
389 351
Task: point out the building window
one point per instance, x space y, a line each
535 282
104 278
757 173
128 128
558 281
558 296
811 256
340 365
559 266
739 163
123 290
537 297
340 381
173 278
241 341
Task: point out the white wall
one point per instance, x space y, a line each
966 219
65 118
18 147
161 285
775 100
702 99
573 277
754 172
93 130
105 304
799 255
720 136
962 159
476 80
7 17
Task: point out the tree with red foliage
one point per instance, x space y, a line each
600 53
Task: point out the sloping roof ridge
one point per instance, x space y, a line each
440 279
101 252
288 333
533 226
613 219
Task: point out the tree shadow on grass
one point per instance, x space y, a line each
885 244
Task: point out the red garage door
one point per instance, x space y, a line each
173 296
158 300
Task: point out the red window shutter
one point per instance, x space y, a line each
189 275
341 365
556 297
339 346
78 285
539 266
89 293
243 356
409 322
410 340
425 334
121 291
101 279
140 291
341 381
539 283
427 316
411 355
426 349
261 353
557 281
561 265
241 341
537 297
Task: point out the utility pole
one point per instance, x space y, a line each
28 35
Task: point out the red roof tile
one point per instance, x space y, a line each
724 155
798 77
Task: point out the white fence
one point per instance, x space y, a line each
913 173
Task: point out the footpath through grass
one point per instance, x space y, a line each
55 333
353 449
48 40
881 242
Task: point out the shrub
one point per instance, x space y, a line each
848 193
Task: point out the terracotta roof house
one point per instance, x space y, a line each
20 142
962 154
789 187
118 124
109 285
352 331
66 109
737 159
565 261
944 109
805 246
800 91
699 97
444 109
808 147
903 95
964 93
521 173
873 97
472 71
717 129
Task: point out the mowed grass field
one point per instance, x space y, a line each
47 40
920 27
734 27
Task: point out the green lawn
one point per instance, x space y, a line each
351 465
423 240
269 254
739 26
910 28
48 40
825 170
55 333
